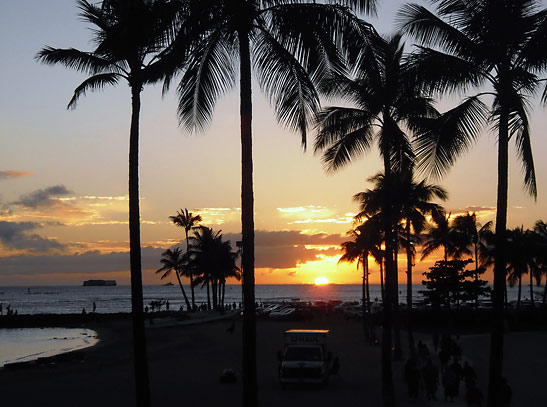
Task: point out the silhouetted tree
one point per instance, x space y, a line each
213 261
286 43
448 282
188 221
130 38
471 233
521 258
173 260
470 44
540 228
440 235
387 104
367 239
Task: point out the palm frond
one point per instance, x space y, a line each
210 74
449 136
78 60
524 151
430 30
440 72
96 82
286 83
344 134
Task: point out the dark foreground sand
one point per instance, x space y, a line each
187 360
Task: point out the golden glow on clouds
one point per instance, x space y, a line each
312 214
218 216
320 247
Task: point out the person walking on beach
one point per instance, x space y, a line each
451 381
94 306
412 377
474 395
431 379
468 374
507 393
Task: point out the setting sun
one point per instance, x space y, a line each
321 281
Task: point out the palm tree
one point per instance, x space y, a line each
173 260
366 241
414 203
202 244
540 228
130 38
441 235
213 262
410 203
287 43
472 233
470 44
387 105
521 247
188 221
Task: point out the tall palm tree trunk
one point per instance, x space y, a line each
397 352
366 329
532 288
208 296
410 333
190 273
368 314
476 272
142 385
496 339
250 391
214 293
223 293
368 284
387 339
182 289
519 292
382 279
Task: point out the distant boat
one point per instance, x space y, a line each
99 283
168 284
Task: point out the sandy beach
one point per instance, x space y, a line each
186 360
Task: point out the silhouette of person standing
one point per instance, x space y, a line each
94 306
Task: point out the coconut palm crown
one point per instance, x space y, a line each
187 221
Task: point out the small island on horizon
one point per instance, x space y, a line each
99 283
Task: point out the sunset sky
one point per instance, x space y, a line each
64 173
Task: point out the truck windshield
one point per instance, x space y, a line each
303 353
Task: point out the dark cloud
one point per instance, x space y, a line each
286 249
88 262
273 250
14 174
42 197
15 235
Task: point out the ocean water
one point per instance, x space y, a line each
73 299
25 344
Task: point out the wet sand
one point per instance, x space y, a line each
186 362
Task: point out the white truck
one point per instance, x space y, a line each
305 358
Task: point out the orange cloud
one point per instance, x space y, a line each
8 174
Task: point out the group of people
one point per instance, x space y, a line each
9 311
421 373
158 304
